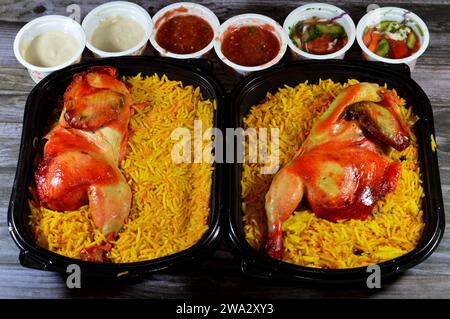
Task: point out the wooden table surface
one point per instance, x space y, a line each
219 275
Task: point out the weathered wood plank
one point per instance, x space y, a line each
15 79
12 107
30 284
10 140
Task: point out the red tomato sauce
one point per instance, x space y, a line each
250 45
184 34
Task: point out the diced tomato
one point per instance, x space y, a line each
367 37
399 49
319 45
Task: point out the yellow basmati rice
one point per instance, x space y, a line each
393 229
170 205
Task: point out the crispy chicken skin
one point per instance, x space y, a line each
83 150
341 167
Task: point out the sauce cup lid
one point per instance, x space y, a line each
117 8
251 19
192 9
45 24
326 11
396 14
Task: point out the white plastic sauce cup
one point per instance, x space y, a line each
250 19
374 17
45 24
188 8
321 11
123 9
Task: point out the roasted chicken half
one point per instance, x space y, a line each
80 159
342 167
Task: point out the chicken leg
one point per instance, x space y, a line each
339 167
83 150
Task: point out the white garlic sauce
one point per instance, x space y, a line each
116 34
50 49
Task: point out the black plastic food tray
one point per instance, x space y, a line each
39 107
253 89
